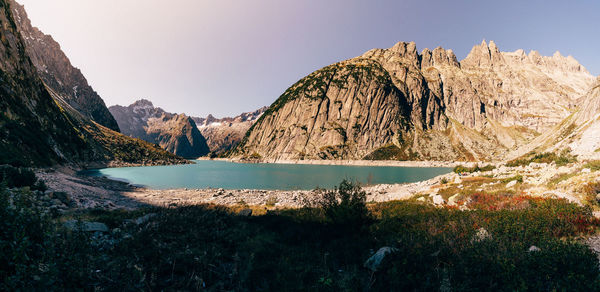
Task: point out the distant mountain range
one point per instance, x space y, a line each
176 133
224 134
189 137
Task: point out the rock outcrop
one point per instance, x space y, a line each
56 71
223 135
38 127
397 103
176 133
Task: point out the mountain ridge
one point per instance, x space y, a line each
56 71
480 108
176 133
39 127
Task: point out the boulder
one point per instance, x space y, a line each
438 200
144 219
86 226
375 260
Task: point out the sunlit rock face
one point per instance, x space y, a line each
398 103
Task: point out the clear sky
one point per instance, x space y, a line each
229 56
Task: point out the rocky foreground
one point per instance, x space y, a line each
572 182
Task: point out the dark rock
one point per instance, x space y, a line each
245 212
86 226
375 260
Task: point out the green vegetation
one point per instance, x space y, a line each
561 159
476 168
591 191
593 165
518 178
17 177
317 248
392 152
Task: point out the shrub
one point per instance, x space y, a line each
346 206
271 201
15 177
476 168
593 165
518 178
564 158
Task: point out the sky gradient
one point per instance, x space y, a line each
225 57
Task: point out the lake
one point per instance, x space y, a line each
264 176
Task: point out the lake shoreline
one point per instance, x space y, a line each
92 192
390 163
536 180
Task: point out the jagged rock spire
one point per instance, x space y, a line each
484 55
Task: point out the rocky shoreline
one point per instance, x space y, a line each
536 180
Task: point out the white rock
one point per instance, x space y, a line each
438 200
533 248
586 170
481 235
511 184
452 200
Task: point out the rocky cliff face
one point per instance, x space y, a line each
56 71
400 104
175 133
39 128
223 135
579 133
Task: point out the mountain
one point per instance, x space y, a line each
38 127
56 71
175 133
579 133
223 135
400 104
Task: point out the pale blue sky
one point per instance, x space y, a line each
228 56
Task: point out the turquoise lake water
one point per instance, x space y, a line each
229 175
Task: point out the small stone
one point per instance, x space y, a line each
586 170
144 219
375 260
533 248
245 212
511 184
481 235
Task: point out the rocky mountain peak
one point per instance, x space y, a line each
142 103
176 133
405 49
484 55
438 57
